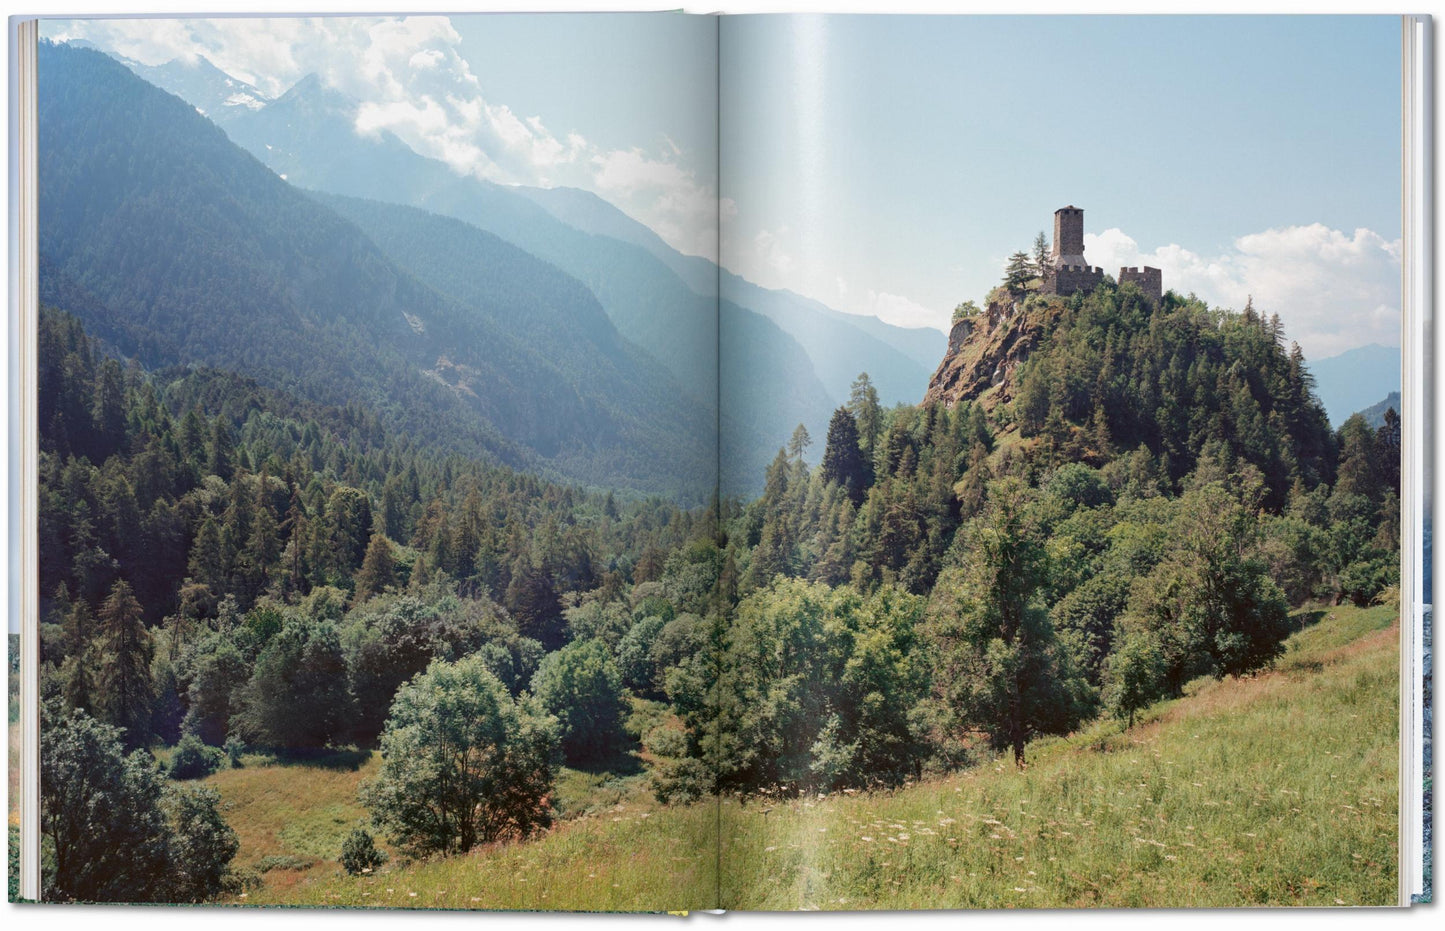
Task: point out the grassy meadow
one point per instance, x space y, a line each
1276 789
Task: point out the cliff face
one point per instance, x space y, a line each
985 351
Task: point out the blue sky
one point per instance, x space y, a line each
889 164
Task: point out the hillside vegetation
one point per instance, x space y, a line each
1279 788
278 588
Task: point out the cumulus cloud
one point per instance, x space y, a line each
411 79
1333 290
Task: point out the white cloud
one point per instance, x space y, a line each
411 80
900 311
768 247
1333 290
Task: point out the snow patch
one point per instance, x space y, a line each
244 100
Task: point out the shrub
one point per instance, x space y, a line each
581 687
234 749
153 843
201 845
683 781
462 762
359 854
192 759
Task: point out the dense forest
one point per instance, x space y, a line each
226 567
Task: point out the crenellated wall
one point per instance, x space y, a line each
1150 281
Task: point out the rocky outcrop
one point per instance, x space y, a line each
985 351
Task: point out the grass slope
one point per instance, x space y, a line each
1277 789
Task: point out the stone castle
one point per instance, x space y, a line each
1068 271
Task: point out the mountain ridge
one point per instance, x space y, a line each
196 243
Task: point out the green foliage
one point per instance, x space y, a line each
359 853
1209 607
1078 486
202 845
192 759
683 781
297 695
123 689
211 671
635 659
819 686
378 568
1019 272
1180 379
462 763
998 664
1136 676
580 686
112 831
843 460
393 637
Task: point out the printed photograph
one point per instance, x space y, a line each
657 462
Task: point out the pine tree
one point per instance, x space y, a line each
1019 272
797 445
863 405
1041 253
843 461
123 691
378 569
220 456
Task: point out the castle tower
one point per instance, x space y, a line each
1068 237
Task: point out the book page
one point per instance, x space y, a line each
1069 561
377 460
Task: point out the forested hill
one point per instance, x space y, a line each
178 247
1094 377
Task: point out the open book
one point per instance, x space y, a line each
653 462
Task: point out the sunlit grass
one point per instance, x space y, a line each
1276 789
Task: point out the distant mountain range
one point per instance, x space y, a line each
177 247
307 136
544 327
1354 380
217 95
1375 414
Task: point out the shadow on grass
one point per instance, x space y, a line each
622 761
1303 619
346 759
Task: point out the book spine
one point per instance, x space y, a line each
24 189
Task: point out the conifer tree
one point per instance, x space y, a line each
378 569
1041 252
864 406
123 691
843 461
1019 272
797 444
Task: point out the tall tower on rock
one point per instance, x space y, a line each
1068 237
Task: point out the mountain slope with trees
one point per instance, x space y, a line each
196 252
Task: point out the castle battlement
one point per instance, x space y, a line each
1150 281
1067 272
